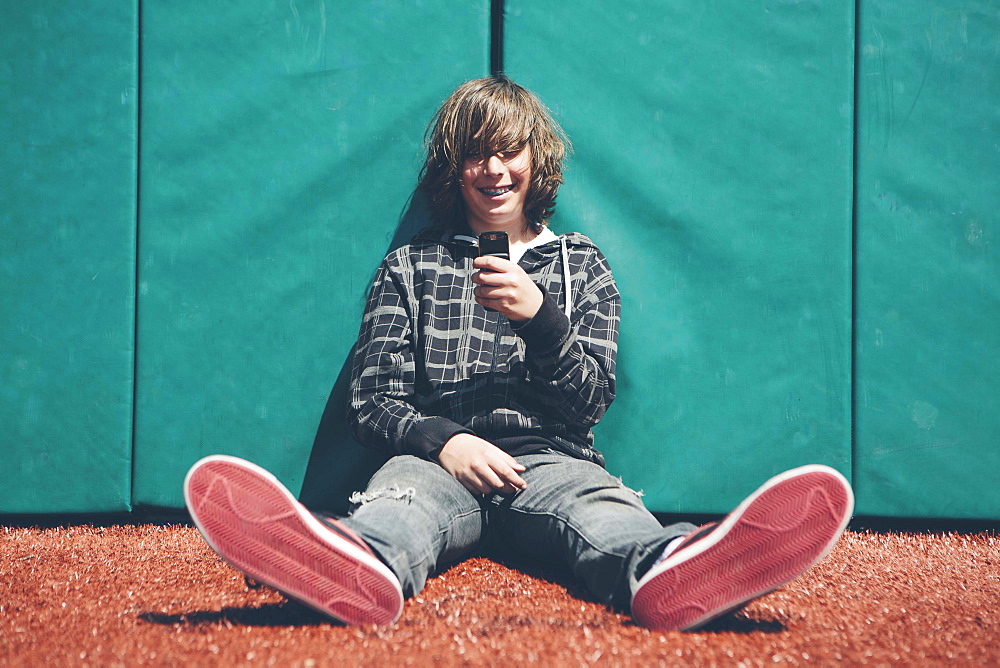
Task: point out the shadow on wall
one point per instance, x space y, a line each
338 464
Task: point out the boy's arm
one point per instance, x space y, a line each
577 362
380 410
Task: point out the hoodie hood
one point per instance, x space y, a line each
534 258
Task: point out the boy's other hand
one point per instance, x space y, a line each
504 286
481 466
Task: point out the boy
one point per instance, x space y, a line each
483 376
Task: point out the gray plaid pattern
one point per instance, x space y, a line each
430 362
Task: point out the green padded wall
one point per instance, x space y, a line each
713 166
928 281
280 144
67 254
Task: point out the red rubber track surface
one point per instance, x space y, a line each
132 595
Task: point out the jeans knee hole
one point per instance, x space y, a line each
393 493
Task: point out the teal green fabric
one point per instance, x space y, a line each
713 161
928 278
280 143
67 255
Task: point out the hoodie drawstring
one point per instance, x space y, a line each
567 282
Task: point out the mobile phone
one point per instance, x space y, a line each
494 243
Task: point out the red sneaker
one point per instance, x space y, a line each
259 528
775 535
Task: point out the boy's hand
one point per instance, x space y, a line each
481 466
504 286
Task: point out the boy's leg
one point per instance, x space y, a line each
418 519
576 513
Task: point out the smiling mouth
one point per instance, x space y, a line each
496 192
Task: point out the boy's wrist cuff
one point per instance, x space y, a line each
428 435
547 329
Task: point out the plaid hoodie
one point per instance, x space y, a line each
431 363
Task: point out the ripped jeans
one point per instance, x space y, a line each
574 513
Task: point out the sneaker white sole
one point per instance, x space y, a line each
256 525
777 533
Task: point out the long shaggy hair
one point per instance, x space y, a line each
481 118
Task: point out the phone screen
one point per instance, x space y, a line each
494 243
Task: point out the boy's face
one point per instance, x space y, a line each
495 189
